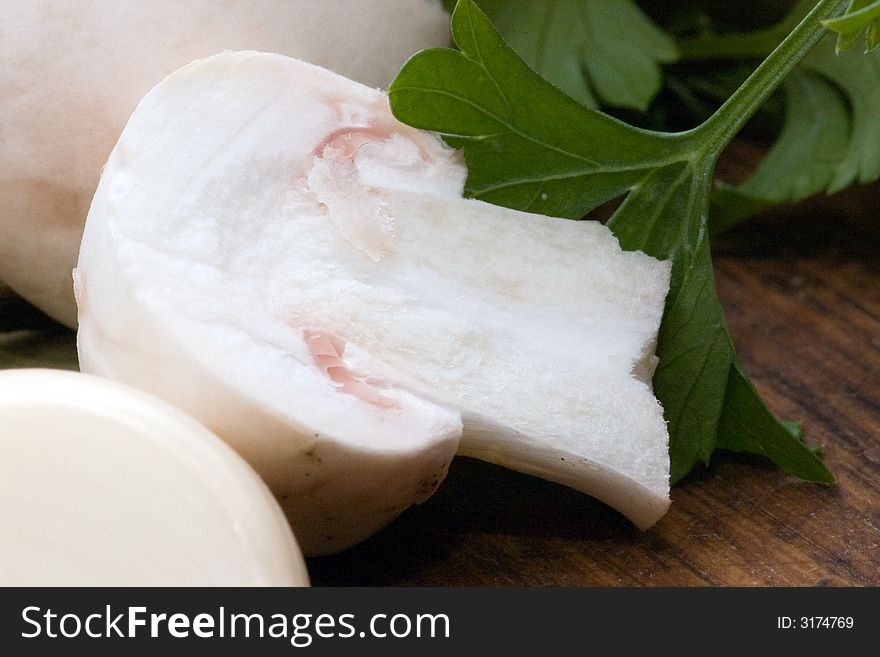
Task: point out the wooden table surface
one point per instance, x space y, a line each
801 288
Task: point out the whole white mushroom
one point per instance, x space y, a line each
72 72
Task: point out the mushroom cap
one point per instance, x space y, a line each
344 451
104 485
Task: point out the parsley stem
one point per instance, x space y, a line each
713 135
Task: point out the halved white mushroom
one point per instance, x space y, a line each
101 484
272 251
71 73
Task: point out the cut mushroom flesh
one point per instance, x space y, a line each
272 251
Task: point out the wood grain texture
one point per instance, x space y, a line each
801 288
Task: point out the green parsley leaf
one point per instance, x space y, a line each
747 426
529 146
830 138
804 160
604 51
857 77
862 20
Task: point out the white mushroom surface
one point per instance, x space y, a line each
72 72
104 485
273 252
